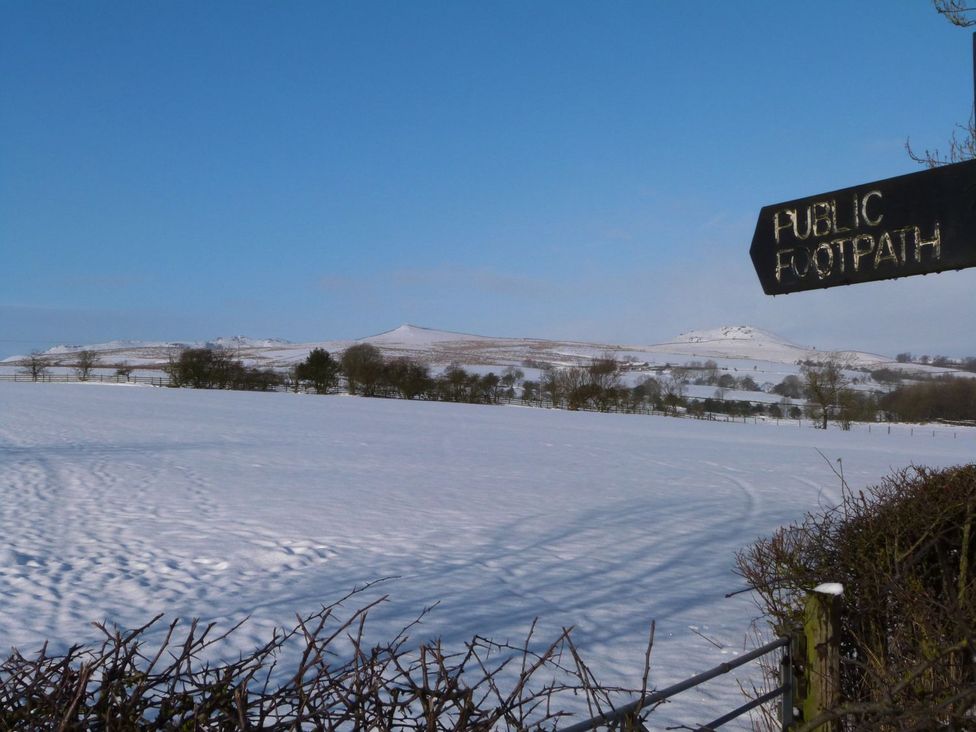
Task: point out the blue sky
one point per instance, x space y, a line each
318 170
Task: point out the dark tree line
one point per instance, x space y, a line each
367 373
966 363
596 386
946 398
208 368
365 370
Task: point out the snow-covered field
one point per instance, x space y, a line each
118 502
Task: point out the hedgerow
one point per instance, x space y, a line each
905 551
159 677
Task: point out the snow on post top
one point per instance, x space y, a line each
830 588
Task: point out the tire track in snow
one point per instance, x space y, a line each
578 568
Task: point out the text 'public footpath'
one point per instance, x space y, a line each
837 236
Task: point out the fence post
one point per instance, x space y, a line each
788 679
632 723
821 626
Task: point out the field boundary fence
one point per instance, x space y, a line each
97 378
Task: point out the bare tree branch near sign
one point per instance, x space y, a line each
956 12
962 142
962 146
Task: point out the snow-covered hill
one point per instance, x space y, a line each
735 348
748 343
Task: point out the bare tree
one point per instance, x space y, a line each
573 383
673 390
962 142
294 377
455 383
512 377
604 382
551 385
36 365
86 361
825 385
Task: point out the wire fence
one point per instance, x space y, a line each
97 378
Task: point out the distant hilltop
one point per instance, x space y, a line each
732 333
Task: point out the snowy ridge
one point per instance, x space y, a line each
116 345
746 342
417 335
733 333
245 342
733 347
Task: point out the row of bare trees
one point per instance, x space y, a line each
38 365
599 386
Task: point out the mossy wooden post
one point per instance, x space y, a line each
821 623
632 723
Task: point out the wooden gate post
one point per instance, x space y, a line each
821 630
632 723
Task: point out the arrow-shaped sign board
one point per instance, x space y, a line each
913 224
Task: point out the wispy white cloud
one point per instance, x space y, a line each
438 279
102 281
339 283
465 279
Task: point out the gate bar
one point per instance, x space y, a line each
615 715
768 696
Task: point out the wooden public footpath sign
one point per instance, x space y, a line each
913 224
